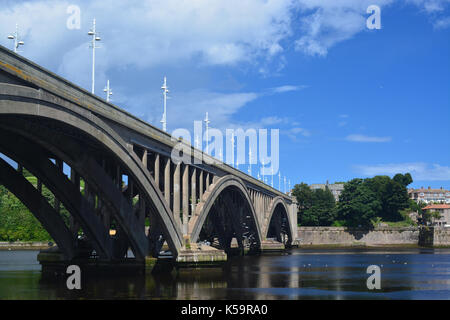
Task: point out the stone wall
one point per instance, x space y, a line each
434 236
441 237
347 237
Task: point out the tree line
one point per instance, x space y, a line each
363 203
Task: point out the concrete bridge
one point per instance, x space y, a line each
122 178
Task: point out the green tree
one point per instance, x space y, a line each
358 204
392 194
316 207
322 211
403 179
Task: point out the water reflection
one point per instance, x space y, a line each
299 274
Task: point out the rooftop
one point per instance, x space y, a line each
424 190
437 206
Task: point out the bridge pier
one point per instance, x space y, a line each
271 246
54 265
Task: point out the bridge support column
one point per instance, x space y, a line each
185 195
74 225
294 223
194 190
176 194
157 171
145 158
207 180
167 181
200 190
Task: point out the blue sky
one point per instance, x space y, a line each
348 101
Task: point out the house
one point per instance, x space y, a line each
444 210
335 188
429 195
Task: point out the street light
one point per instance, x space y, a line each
108 91
165 89
15 37
95 38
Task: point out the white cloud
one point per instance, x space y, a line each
420 171
187 107
430 6
146 33
302 131
364 138
288 88
327 23
149 33
442 23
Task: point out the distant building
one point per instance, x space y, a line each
335 188
444 210
429 195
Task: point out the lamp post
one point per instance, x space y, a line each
15 37
165 90
93 32
108 91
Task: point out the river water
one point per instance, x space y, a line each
297 274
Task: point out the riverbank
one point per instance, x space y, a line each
23 245
341 237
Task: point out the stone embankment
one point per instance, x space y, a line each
341 236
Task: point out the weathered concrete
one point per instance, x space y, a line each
200 255
349 237
272 246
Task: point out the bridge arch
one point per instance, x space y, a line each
23 111
279 211
38 205
216 190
